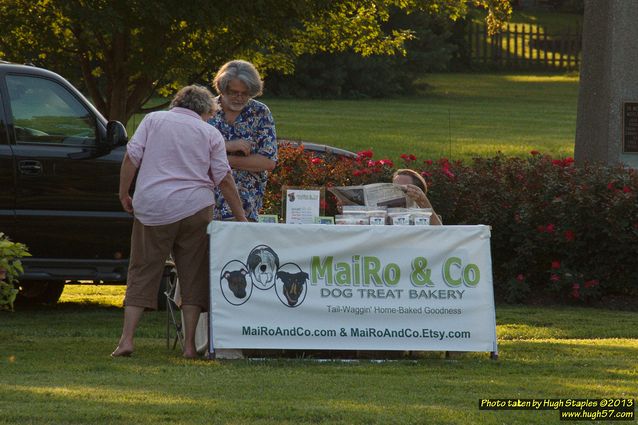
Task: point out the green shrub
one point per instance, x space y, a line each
559 232
10 269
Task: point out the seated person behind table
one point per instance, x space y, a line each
415 188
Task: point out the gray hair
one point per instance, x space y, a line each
196 98
242 71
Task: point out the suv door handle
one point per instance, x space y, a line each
30 167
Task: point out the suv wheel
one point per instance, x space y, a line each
40 292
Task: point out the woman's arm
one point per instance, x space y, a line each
422 201
127 173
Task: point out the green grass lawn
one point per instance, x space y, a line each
460 116
55 369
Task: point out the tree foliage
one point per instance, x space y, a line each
125 51
351 75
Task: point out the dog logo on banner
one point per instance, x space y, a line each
263 272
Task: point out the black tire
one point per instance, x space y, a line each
168 277
39 292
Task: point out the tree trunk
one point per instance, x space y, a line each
608 78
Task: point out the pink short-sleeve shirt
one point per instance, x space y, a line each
181 159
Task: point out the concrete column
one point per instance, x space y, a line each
608 80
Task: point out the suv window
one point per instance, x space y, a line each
46 112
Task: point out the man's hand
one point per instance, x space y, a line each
239 146
415 193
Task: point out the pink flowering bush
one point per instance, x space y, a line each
559 232
301 168
568 285
544 212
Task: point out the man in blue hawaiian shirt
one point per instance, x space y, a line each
249 130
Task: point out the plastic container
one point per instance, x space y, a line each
398 216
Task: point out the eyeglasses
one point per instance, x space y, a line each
237 94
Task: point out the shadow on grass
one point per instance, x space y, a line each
90 387
79 319
69 306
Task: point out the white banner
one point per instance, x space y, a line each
351 287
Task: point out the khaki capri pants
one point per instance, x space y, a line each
151 246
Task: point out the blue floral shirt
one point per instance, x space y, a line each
254 123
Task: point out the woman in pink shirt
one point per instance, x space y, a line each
179 160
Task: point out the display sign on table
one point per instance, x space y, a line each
351 287
302 206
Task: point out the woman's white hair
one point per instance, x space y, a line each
239 70
196 98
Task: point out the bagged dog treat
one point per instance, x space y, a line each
377 216
354 209
420 216
399 216
354 219
420 219
377 220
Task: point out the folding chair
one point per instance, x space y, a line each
174 327
174 315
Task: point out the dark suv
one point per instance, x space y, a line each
59 173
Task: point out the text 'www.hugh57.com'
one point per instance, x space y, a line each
570 409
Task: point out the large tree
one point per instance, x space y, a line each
125 51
